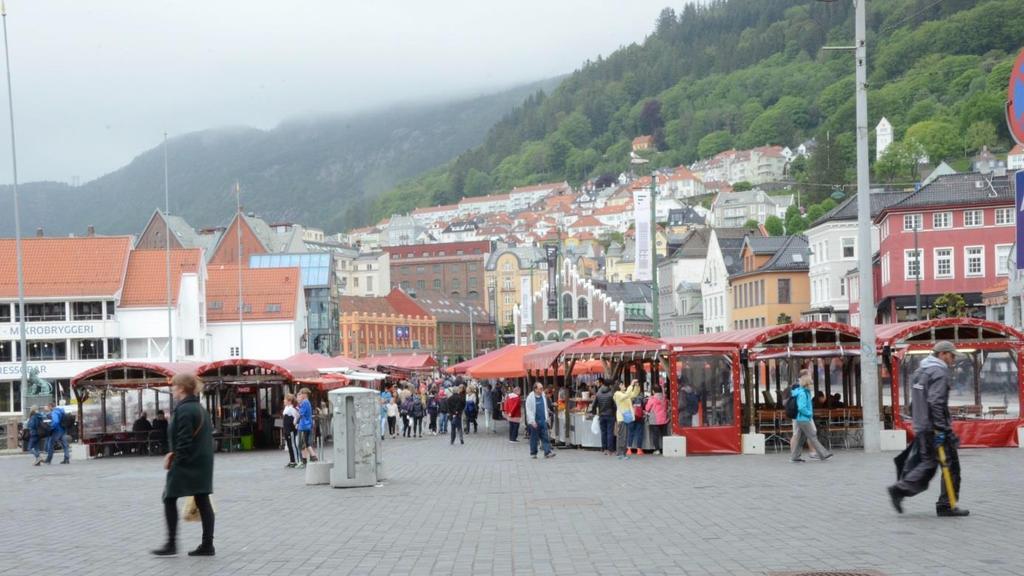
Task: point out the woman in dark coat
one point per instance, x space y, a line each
189 464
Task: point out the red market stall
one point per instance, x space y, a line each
985 396
724 382
401 365
136 386
464 366
505 362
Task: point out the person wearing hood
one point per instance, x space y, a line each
657 407
804 421
933 427
624 416
604 409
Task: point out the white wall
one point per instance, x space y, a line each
828 266
263 340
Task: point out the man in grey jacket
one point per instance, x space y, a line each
933 427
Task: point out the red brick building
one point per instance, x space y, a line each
965 233
378 324
453 268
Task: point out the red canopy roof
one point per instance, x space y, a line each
803 333
507 364
613 345
462 367
402 362
945 329
278 366
545 356
115 371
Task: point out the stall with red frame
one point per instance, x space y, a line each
725 383
985 395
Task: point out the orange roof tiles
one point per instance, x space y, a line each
65 267
145 283
268 293
586 222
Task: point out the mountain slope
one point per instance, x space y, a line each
746 73
321 170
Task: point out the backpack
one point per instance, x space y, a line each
44 427
432 406
405 407
67 421
791 405
470 407
417 408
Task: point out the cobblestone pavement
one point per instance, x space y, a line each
487 508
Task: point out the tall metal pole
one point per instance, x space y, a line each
238 240
917 277
22 346
558 279
868 359
167 258
654 257
472 334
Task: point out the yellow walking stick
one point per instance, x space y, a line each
947 477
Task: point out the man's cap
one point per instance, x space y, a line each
943 346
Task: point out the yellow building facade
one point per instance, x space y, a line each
774 287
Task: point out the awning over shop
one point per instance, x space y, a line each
408 362
792 335
615 347
462 367
544 357
127 375
507 364
251 371
952 329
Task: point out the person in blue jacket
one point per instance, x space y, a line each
805 430
57 434
35 417
305 428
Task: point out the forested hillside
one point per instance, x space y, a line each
323 170
743 73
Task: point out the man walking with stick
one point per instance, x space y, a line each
933 434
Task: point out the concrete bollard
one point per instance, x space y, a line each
674 446
318 473
894 440
753 443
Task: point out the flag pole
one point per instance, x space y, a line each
22 347
167 258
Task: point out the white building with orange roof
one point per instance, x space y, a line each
273 319
1015 158
680 183
430 214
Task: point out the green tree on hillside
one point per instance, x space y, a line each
773 225
939 139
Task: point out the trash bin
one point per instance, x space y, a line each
356 426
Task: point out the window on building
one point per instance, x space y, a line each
913 266
48 350
973 218
273 308
943 262
421 284
87 311
849 248
5 312
6 351
942 220
456 283
784 295
234 352
473 283
91 349
974 260
437 283
1004 216
507 266
436 268
421 269
567 306
582 308
472 266
190 347
842 286
404 285
113 349
440 253
1002 259
10 397
44 312
911 221
507 299
369 283
355 281
885 269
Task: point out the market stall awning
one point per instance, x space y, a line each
795 334
507 364
462 367
252 370
132 374
926 332
614 346
544 357
312 366
409 362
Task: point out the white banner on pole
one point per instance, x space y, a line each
526 300
642 229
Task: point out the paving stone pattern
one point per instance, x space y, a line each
487 508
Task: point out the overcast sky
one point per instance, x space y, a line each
97 82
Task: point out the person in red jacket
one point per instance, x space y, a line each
512 409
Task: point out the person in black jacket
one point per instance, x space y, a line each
933 427
456 405
604 409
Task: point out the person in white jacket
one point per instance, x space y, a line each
537 416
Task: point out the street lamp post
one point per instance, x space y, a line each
654 257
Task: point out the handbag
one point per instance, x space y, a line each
595 425
627 416
190 511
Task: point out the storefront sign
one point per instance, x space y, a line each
47 330
642 227
401 332
526 300
15 369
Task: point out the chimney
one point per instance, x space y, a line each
39 232
90 231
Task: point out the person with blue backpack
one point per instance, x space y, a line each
35 420
800 407
57 433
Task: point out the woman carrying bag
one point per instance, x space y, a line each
189 464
